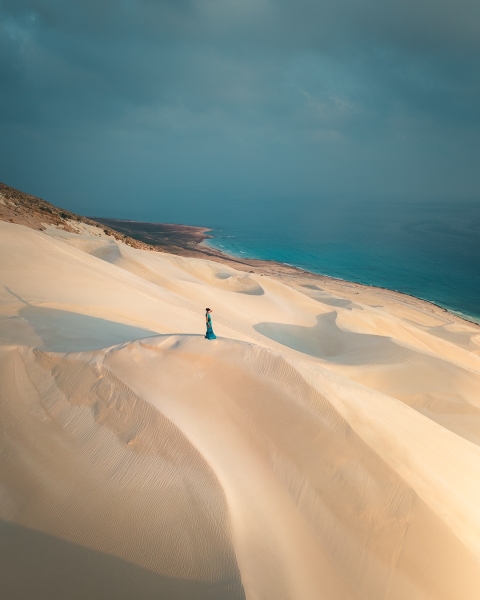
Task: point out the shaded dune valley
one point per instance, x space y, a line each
326 446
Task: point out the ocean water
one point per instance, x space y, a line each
430 250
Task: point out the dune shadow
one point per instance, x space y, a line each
326 340
240 284
325 298
64 331
464 339
339 302
254 291
38 566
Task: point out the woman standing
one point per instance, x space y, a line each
209 335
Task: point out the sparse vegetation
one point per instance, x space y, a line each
33 212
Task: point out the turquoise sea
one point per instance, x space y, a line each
430 250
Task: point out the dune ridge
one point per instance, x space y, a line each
325 446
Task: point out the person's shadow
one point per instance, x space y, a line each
64 331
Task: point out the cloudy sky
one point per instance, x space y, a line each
122 107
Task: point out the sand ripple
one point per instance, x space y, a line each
303 455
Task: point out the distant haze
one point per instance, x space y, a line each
172 110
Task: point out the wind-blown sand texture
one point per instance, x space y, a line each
324 447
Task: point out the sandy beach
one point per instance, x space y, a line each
325 446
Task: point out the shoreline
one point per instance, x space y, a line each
311 274
339 404
190 241
450 311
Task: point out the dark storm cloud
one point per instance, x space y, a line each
218 96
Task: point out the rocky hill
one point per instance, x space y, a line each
25 209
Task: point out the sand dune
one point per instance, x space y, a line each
326 446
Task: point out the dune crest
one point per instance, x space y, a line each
326 446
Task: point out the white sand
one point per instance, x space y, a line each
326 446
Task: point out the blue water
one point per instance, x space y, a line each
430 250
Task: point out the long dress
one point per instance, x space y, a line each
210 335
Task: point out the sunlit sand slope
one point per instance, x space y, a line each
321 448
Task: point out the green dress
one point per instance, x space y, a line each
210 335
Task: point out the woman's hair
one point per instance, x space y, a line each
207 310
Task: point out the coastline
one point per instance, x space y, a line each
190 241
287 271
321 407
